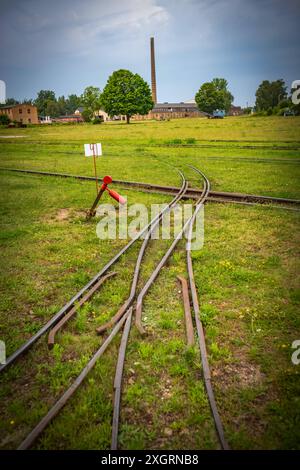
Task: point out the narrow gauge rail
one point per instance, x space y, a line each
287 161
214 196
251 147
138 320
68 306
200 330
119 322
123 314
295 144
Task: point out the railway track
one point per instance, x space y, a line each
214 196
216 143
69 305
123 319
267 160
208 146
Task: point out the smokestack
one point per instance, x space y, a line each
153 76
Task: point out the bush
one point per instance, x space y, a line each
86 115
4 119
191 140
97 120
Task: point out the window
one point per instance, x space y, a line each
28 111
29 120
20 110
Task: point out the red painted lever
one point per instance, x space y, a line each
116 196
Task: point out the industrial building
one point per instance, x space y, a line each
162 111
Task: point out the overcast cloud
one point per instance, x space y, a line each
66 45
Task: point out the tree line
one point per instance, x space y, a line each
127 94
271 98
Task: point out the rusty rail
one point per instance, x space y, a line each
134 282
85 298
187 311
29 440
39 428
129 301
200 330
65 309
214 196
155 273
118 382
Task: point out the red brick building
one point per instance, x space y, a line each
23 113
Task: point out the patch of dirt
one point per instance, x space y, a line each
63 214
243 374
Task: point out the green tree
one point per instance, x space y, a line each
214 95
42 100
91 101
11 101
73 102
225 96
27 101
269 94
127 94
52 109
4 119
62 106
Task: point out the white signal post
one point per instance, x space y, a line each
94 150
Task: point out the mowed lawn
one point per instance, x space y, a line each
243 154
247 275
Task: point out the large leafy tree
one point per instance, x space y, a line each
73 102
42 100
11 101
90 99
214 95
127 94
52 109
269 94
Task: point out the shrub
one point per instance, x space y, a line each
97 120
4 119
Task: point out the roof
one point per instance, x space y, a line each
9 106
68 116
176 105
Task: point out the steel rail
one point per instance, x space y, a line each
215 196
187 311
118 383
62 312
127 303
119 321
83 300
121 360
200 332
135 278
39 428
227 147
245 159
160 265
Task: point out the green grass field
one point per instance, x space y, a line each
247 277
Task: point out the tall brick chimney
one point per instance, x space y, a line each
153 75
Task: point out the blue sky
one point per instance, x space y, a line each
66 45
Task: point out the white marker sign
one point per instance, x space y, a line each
92 149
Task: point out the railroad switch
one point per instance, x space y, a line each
104 187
